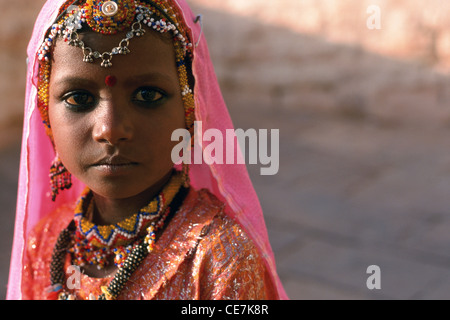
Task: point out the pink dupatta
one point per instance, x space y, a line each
229 182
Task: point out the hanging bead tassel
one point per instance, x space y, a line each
150 238
60 178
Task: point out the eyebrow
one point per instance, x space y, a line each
71 80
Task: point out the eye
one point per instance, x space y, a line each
148 95
79 100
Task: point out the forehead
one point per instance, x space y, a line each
151 53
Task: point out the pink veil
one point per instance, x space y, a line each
230 182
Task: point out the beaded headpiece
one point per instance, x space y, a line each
111 17
108 18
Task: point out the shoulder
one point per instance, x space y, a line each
46 231
231 264
56 220
220 227
223 238
226 236
38 251
203 198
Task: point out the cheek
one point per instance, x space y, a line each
58 126
156 133
67 135
174 121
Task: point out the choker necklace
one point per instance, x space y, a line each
95 244
130 241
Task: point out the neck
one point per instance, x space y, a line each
110 211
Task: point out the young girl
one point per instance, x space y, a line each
108 83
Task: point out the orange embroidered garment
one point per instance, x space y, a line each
201 255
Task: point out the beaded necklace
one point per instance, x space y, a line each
94 245
128 256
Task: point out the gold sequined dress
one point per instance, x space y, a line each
201 255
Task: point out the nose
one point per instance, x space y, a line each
113 124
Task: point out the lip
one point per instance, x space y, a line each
114 165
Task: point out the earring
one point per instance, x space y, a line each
60 178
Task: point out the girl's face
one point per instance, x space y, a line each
116 138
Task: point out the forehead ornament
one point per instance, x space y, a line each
111 17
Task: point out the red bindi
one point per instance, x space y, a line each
110 81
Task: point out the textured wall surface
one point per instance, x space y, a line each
15 30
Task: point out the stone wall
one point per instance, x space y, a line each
320 56
409 29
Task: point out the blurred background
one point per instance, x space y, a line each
363 107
